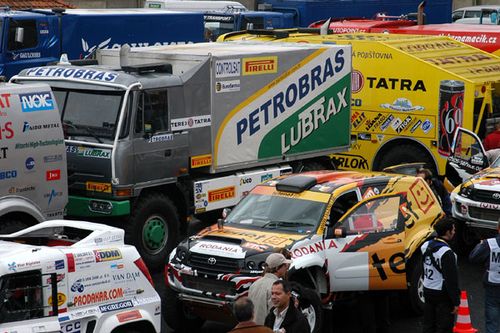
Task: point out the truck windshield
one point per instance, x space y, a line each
89 114
277 213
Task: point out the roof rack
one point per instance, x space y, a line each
296 184
145 68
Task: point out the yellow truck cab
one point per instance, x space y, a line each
409 94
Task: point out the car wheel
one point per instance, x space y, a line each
416 290
8 226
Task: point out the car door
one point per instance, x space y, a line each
467 157
369 255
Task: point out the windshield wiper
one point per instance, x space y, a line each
87 129
274 224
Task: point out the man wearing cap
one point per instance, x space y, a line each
260 291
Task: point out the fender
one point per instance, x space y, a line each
17 204
111 322
307 262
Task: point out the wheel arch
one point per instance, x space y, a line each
18 208
313 277
393 143
143 326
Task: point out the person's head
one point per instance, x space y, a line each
280 294
277 264
243 309
445 228
426 174
497 125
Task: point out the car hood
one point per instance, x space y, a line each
488 179
238 242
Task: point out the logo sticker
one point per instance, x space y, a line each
221 194
107 255
51 175
201 161
34 102
260 65
227 68
98 187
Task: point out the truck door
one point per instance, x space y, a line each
26 44
371 255
159 154
24 303
466 158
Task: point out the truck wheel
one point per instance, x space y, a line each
416 290
8 226
177 316
310 305
405 154
153 228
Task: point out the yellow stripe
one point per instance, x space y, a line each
305 195
257 95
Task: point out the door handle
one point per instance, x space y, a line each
168 153
391 240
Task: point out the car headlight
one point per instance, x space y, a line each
181 254
466 191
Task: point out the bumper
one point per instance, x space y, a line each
91 207
476 214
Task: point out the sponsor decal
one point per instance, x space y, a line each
396 84
59 264
388 120
314 248
201 161
395 124
426 126
59 278
39 143
357 81
227 86
416 126
26 55
12 266
115 306
375 122
107 255
351 161
126 277
404 124
371 54
33 102
266 177
117 266
429 46
89 152
77 286
218 249
402 104
98 187
4 103
422 196
71 73
227 68
245 180
357 119
6 131
260 65
51 195
30 163
26 188
8 174
3 152
365 136
180 124
255 246
161 138
61 299
222 194
128 316
29 127
73 327
52 158
459 59
98 297
380 137
51 175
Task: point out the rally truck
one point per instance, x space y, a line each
33 177
411 115
74 276
164 133
348 233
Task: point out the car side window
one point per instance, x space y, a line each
457 15
472 13
21 297
376 215
342 204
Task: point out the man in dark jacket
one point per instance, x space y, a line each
284 317
488 252
244 313
441 292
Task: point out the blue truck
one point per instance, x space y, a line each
37 37
309 11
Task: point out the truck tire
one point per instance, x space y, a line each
310 305
177 316
405 153
8 226
153 228
416 289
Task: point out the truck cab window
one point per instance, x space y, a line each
21 297
22 35
152 112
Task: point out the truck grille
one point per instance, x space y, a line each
484 214
486 196
206 263
214 286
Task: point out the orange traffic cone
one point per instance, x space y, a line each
463 324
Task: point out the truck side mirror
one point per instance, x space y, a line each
226 212
148 131
19 36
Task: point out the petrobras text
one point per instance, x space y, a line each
71 73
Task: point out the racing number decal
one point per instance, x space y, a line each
423 197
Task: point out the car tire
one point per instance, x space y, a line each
311 307
177 316
416 289
153 228
405 153
8 226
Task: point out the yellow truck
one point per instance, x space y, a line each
409 94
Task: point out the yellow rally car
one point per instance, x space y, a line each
346 231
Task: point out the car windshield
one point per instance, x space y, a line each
89 114
275 212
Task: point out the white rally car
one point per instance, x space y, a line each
72 276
